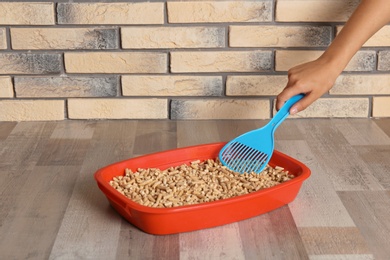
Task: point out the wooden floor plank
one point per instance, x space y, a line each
26 143
384 124
370 211
272 236
342 257
136 244
68 144
317 203
10 178
197 132
5 129
154 136
91 228
289 130
73 130
229 130
377 157
338 158
166 247
334 241
64 152
31 225
51 207
222 242
361 132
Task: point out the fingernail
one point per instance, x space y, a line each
294 110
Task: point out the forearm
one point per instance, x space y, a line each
317 77
368 18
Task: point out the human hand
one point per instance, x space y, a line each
313 79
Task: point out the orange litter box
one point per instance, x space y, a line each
162 221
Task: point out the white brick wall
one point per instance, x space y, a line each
178 59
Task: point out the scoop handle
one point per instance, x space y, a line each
284 111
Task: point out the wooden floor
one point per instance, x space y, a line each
51 207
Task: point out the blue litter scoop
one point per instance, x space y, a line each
251 152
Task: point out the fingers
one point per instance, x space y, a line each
301 105
285 95
313 79
289 91
294 87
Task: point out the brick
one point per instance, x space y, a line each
384 61
3 39
110 13
222 61
314 10
337 107
362 61
279 36
259 85
172 85
220 109
362 85
116 62
172 37
117 108
381 107
219 11
31 110
379 39
27 13
64 38
66 86
30 63
6 88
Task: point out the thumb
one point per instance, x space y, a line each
285 95
302 104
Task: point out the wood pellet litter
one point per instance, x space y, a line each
196 183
